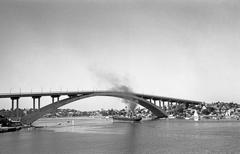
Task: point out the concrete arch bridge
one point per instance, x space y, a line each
156 104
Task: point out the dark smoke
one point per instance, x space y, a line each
116 83
130 103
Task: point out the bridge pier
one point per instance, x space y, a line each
39 103
163 105
34 102
55 96
17 108
17 105
12 104
52 99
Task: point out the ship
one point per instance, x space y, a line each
126 119
7 125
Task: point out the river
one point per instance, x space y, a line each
101 136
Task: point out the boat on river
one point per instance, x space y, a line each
196 117
8 125
126 119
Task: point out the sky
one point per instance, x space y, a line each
175 48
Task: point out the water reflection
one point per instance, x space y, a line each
131 138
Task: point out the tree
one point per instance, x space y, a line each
205 112
211 109
179 109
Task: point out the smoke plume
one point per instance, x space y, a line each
130 103
114 82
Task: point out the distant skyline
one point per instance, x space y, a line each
184 49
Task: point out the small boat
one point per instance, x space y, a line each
171 117
38 126
122 118
9 129
196 116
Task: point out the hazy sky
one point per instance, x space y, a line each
177 48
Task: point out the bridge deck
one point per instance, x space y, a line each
60 93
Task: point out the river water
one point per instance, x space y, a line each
101 136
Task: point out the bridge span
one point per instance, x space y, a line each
156 104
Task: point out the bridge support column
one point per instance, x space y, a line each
12 104
17 105
53 98
38 103
33 104
160 105
164 107
154 102
17 108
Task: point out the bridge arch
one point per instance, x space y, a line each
29 119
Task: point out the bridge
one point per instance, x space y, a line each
156 104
